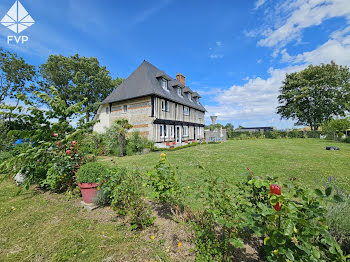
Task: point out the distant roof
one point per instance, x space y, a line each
143 82
259 127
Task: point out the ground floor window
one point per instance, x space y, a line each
185 130
199 131
171 131
165 131
161 130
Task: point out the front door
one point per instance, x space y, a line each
178 134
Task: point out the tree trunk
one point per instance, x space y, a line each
121 141
87 117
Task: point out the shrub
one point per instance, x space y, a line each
297 231
338 216
272 134
91 172
101 199
5 156
137 143
92 144
346 140
216 228
125 189
163 182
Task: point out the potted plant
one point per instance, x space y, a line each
87 177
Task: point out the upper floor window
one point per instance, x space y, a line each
125 108
165 106
179 91
164 84
186 110
189 96
107 110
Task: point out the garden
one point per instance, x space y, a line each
272 197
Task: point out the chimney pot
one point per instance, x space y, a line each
180 78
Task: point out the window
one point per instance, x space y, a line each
189 96
171 131
185 130
179 91
125 108
165 131
165 106
107 110
164 84
199 131
161 130
186 110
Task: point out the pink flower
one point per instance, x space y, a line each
74 143
68 151
55 134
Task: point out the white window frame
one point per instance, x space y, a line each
167 106
199 131
125 108
186 112
189 96
185 131
179 92
163 104
164 84
161 130
172 131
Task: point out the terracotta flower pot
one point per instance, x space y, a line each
88 191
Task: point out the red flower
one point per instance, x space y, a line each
168 144
55 134
186 141
74 143
276 190
174 143
68 152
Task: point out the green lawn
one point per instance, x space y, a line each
303 159
46 227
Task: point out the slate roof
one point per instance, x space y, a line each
144 82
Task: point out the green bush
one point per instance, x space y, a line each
5 156
91 172
272 134
125 189
346 140
92 144
137 143
162 180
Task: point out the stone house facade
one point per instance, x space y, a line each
161 108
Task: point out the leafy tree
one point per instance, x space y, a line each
15 76
315 95
78 79
336 126
123 127
229 130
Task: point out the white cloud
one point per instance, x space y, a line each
218 43
216 56
255 100
304 14
259 3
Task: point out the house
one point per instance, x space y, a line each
255 129
163 109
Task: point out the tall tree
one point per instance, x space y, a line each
315 95
78 78
15 76
336 126
229 130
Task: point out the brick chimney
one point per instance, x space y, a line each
180 78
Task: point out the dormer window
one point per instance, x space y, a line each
179 91
189 96
164 84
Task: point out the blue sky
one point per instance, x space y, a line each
234 53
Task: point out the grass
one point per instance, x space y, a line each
299 159
46 227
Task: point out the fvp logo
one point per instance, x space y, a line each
17 20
